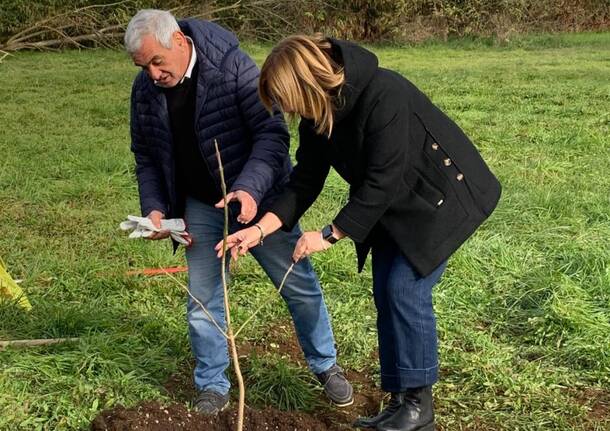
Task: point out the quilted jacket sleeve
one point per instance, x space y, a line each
150 179
270 135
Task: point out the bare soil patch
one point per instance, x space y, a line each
155 416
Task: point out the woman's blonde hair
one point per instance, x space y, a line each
300 76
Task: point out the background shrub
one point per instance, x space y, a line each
372 20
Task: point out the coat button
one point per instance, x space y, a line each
447 162
435 146
439 203
459 177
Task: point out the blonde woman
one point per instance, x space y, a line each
418 190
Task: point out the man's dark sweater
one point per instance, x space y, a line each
193 177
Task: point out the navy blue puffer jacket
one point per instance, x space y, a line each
253 144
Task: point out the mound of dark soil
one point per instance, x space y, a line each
153 416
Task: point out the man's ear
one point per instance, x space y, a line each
179 39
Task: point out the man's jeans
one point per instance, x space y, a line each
301 292
405 320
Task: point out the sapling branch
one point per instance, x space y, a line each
207 313
253 315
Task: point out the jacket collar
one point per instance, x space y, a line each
192 61
211 43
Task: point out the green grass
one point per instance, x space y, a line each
273 381
523 310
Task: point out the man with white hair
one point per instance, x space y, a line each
197 87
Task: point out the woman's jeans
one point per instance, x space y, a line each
301 292
405 320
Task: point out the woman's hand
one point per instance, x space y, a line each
240 242
309 243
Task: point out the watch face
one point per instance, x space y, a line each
327 234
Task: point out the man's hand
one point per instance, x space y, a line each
309 243
156 217
248 205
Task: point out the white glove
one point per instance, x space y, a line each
143 227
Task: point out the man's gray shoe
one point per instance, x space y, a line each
210 402
336 386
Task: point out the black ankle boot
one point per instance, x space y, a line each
391 408
416 413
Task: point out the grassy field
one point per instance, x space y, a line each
523 310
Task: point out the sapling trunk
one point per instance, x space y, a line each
228 333
230 336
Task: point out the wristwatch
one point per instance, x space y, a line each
327 234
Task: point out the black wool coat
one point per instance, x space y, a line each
412 171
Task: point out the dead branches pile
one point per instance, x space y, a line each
103 25
90 26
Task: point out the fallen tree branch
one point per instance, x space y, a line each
35 342
43 22
101 36
220 9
